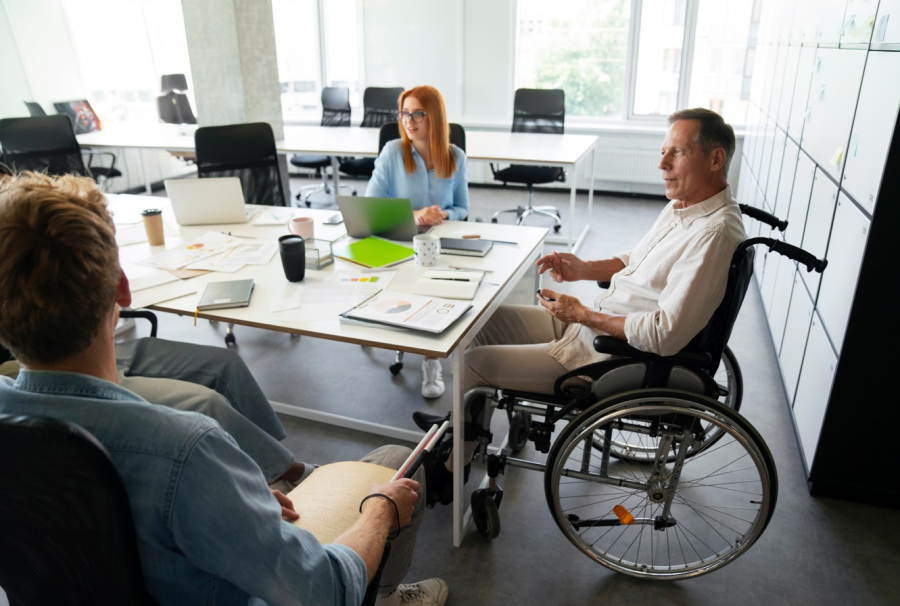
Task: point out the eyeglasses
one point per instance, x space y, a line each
416 116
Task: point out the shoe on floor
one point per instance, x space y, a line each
432 379
430 592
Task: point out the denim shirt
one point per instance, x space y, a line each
209 530
423 188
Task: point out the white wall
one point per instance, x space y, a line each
15 88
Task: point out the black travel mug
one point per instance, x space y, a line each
293 257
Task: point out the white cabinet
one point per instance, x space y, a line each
818 224
834 88
803 182
765 163
770 273
801 92
887 23
787 87
873 127
786 181
774 92
859 19
814 388
775 167
796 332
781 298
845 254
830 20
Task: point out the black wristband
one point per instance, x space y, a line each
391 534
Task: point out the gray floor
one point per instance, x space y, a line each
814 551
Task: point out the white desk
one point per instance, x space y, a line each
566 151
508 264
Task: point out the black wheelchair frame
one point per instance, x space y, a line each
656 473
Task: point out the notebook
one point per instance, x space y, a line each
449 284
211 201
373 252
468 247
223 295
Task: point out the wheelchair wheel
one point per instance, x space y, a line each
730 381
674 517
485 514
519 427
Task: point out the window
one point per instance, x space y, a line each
123 47
317 45
639 59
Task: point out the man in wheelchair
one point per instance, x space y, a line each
652 475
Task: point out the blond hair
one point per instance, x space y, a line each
59 267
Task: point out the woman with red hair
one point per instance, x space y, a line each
423 166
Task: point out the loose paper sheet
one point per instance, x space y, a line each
158 294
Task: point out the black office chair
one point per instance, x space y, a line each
535 111
335 112
85 120
246 151
379 108
175 108
34 109
42 144
66 530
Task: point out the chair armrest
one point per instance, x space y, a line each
92 153
141 313
618 347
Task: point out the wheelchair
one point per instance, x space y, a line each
655 474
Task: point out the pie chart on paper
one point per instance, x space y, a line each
392 306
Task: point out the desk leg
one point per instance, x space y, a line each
591 186
335 177
572 211
147 185
459 507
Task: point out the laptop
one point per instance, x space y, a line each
389 218
211 201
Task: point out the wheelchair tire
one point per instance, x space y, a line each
730 380
519 426
485 514
688 518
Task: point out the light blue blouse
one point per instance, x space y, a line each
423 188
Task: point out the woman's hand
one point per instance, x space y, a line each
564 267
430 215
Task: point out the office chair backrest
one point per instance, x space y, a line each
66 531
539 111
335 106
175 108
42 144
84 119
34 109
380 106
246 151
390 131
172 82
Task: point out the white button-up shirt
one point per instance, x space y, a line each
672 282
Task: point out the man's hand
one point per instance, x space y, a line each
430 215
563 267
562 307
287 507
403 493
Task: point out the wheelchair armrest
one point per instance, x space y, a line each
141 313
618 347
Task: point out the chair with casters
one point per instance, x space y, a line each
34 109
389 132
43 144
379 108
246 151
534 111
653 475
66 531
85 120
335 112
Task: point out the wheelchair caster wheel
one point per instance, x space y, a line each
519 427
485 514
229 339
396 368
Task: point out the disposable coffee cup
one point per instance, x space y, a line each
153 225
293 257
426 247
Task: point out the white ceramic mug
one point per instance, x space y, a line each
302 226
427 247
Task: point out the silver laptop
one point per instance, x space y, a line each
390 218
210 201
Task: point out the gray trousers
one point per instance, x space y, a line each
403 544
210 380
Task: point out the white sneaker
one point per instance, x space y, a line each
432 379
430 592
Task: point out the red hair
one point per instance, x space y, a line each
438 133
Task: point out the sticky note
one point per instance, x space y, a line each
838 155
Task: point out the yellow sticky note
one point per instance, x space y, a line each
838 155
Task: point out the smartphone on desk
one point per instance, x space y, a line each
334 220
